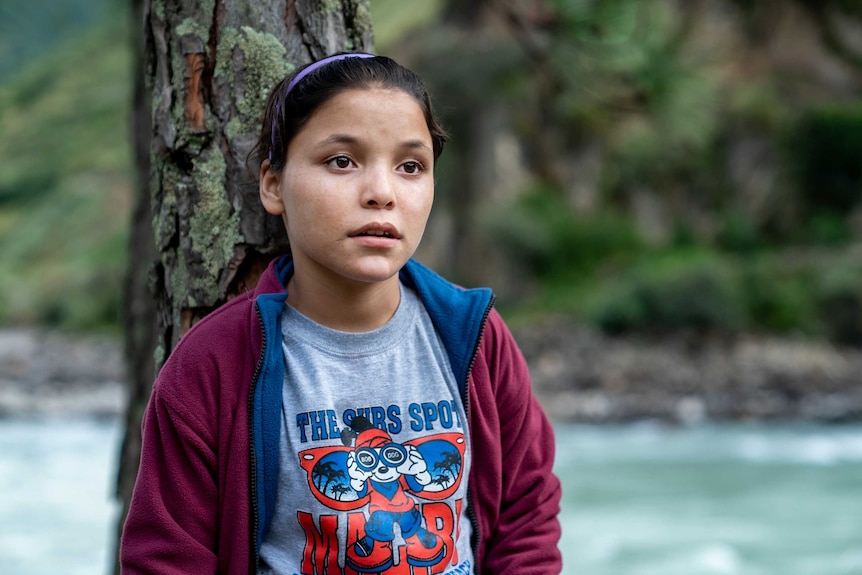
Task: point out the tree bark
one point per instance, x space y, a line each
139 309
200 235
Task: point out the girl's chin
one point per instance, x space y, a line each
374 276
363 275
375 271
360 269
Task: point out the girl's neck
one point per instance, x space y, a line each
351 308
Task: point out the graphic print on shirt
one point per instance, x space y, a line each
394 496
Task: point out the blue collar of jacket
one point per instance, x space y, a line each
458 315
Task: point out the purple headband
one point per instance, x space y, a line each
296 79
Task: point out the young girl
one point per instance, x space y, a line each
356 413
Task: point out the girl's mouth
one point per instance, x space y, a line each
377 233
377 230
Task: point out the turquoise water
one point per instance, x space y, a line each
747 500
56 507
638 499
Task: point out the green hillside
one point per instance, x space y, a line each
65 182
32 28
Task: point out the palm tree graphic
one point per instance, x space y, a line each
329 471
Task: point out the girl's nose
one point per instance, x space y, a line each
378 189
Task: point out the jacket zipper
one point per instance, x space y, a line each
471 511
255 512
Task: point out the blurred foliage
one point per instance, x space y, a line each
826 147
33 28
65 182
839 302
702 291
675 291
677 166
546 236
393 17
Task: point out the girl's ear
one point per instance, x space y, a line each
270 189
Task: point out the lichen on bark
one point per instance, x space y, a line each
265 64
228 40
193 27
362 21
214 223
261 58
329 7
198 23
157 8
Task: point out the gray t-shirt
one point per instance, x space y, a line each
374 452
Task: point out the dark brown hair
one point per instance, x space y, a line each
288 111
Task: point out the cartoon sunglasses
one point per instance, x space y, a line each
391 454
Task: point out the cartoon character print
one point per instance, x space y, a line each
376 467
386 478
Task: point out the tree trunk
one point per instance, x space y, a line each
208 68
139 311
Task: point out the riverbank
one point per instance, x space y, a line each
579 375
47 374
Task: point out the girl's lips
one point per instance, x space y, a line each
375 242
377 230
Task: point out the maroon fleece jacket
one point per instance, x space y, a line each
191 511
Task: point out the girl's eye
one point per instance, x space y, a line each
341 162
412 167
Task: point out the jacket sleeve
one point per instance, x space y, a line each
525 539
171 525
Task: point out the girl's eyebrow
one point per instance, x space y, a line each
336 139
346 139
416 145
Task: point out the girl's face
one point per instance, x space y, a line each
357 187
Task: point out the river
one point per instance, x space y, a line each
715 499
638 499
